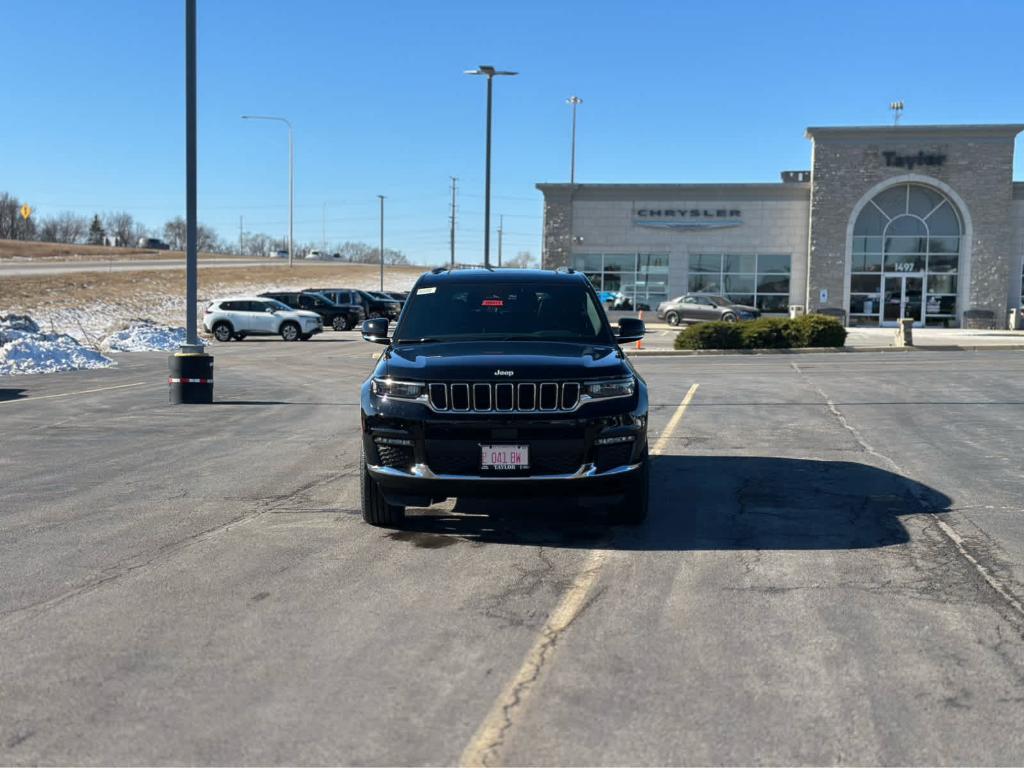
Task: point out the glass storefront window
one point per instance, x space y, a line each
642 277
760 280
911 233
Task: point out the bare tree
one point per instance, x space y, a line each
522 260
120 225
12 225
207 239
174 233
64 227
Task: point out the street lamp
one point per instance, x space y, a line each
490 72
574 100
381 198
291 174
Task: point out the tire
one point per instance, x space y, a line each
375 314
376 510
632 509
341 323
672 318
306 337
728 317
290 332
223 331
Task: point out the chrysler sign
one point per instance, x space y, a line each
687 218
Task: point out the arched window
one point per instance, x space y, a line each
913 231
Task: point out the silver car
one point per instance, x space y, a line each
694 308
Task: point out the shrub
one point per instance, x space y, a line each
715 335
816 331
764 333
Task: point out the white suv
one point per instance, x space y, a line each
239 316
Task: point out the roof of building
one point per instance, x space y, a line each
1001 130
675 192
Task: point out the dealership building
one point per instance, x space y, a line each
890 222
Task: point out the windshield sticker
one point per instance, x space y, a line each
424 291
492 303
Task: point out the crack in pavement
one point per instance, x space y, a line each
950 534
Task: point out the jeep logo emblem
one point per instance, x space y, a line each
500 372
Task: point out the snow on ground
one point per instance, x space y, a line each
23 349
144 336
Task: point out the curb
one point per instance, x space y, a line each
819 350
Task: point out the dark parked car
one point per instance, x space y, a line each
694 308
340 317
372 306
498 383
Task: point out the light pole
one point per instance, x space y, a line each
291 174
490 72
574 100
381 197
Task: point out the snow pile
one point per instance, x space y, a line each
144 336
24 350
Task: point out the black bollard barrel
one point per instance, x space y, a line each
191 377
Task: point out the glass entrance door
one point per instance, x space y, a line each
902 297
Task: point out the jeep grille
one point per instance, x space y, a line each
505 397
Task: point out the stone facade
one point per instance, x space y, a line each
975 171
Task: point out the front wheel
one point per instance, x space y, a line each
728 317
223 331
290 332
672 318
376 510
632 509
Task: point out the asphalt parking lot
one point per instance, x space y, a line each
833 572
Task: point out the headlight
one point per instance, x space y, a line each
400 390
602 390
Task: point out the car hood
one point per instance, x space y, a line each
482 361
743 307
297 313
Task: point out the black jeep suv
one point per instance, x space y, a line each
340 317
501 383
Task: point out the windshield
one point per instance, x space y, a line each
720 301
514 311
278 305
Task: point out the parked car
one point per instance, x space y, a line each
372 305
153 243
314 254
499 383
693 308
340 317
236 317
278 254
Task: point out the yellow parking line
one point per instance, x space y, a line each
69 394
485 746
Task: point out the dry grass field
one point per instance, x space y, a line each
85 303
21 249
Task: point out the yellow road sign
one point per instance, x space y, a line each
26 211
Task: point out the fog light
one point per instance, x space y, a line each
614 440
392 441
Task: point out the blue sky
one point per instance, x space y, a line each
673 92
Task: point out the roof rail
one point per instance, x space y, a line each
439 270
566 270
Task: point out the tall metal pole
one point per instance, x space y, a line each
451 236
191 246
291 195
574 100
323 231
241 236
501 229
381 241
487 180
291 176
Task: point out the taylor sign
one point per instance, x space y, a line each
688 218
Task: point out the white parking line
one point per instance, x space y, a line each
485 746
70 394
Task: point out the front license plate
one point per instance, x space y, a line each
504 457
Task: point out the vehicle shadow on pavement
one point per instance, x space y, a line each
709 503
11 393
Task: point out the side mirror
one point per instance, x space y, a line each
630 329
270 310
376 330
